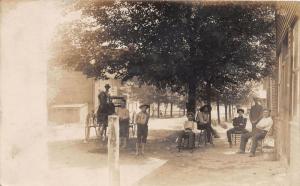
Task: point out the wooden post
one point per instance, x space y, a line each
113 151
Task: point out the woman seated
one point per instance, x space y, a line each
188 126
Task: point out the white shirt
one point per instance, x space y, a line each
265 124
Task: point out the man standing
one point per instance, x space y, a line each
256 112
259 133
239 125
123 114
103 109
142 119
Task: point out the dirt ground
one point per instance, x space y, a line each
162 165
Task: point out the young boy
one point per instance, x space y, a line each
142 129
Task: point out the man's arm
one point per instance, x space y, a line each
234 122
148 117
244 123
137 118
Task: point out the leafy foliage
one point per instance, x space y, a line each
180 46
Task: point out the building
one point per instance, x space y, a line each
283 88
71 95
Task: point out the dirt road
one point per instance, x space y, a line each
163 165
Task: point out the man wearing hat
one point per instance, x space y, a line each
141 120
239 125
103 109
204 123
256 112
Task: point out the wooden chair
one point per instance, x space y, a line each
260 143
236 136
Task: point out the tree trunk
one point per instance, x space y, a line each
158 109
218 110
171 110
184 111
229 111
166 107
226 118
191 104
208 97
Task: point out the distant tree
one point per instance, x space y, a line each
180 46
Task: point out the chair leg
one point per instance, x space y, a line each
235 139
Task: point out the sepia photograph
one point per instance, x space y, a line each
149 93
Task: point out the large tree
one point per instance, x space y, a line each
181 46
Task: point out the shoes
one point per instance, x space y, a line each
240 152
252 155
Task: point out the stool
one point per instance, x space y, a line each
236 136
185 143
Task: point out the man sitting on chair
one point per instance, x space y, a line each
259 133
239 125
188 126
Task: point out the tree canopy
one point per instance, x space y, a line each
176 45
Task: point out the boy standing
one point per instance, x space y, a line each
142 119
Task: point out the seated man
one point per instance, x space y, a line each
259 133
188 126
239 125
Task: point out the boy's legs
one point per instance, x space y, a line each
144 138
191 136
208 132
139 136
180 137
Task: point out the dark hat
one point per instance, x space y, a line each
205 108
190 114
240 110
107 86
144 105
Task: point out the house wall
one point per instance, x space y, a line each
68 88
284 88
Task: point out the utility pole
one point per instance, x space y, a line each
113 151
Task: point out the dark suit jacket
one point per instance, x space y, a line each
239 122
